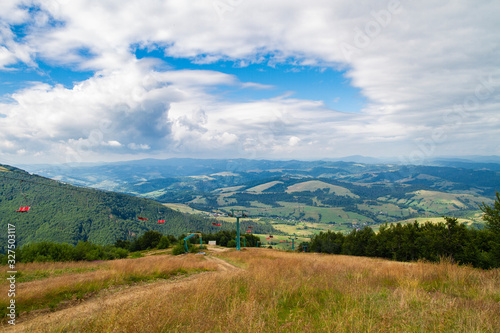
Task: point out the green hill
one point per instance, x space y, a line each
314 185
63 213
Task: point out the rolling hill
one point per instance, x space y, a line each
303 197
61 212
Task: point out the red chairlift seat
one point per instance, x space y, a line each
270 236
161 221
249 231
217 224
250 227
142 218
267 237
23 209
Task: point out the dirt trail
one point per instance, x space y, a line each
113 298
223 265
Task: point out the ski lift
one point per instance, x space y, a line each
250 227
216 224
140 217
23 209
161 216
270 236
249 231
267 237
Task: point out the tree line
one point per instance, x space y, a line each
87 251
421 241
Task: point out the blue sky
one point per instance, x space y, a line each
305 82
84 81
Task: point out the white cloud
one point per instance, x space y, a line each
422 66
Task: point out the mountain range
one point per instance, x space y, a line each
312 195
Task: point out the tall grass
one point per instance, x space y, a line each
290 292
46 285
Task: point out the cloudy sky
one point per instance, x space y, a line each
108 80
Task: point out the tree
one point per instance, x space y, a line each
149 240
492 215
492 218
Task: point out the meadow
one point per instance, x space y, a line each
262 290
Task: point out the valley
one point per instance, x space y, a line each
287 199
300 198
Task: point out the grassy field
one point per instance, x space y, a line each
50 285
274 291
314 185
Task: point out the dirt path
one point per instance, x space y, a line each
116 297
223 265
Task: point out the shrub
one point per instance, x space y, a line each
47 251
178 249
164 243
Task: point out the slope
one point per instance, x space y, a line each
63 213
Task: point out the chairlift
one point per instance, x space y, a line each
250 227
23 209
140 217
249 231
270 236
161 215
216 224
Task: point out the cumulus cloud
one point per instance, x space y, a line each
429 72
114 110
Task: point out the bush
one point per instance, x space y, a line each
231 243
178 249
149 240
164 243
122 244
47 251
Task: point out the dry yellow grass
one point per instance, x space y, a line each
291 292
52 283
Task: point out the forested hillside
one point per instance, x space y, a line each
63 213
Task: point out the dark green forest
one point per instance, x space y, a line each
427 241
64 213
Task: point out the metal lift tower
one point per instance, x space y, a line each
234 213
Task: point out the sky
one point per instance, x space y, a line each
112 80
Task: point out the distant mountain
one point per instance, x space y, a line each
331 192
